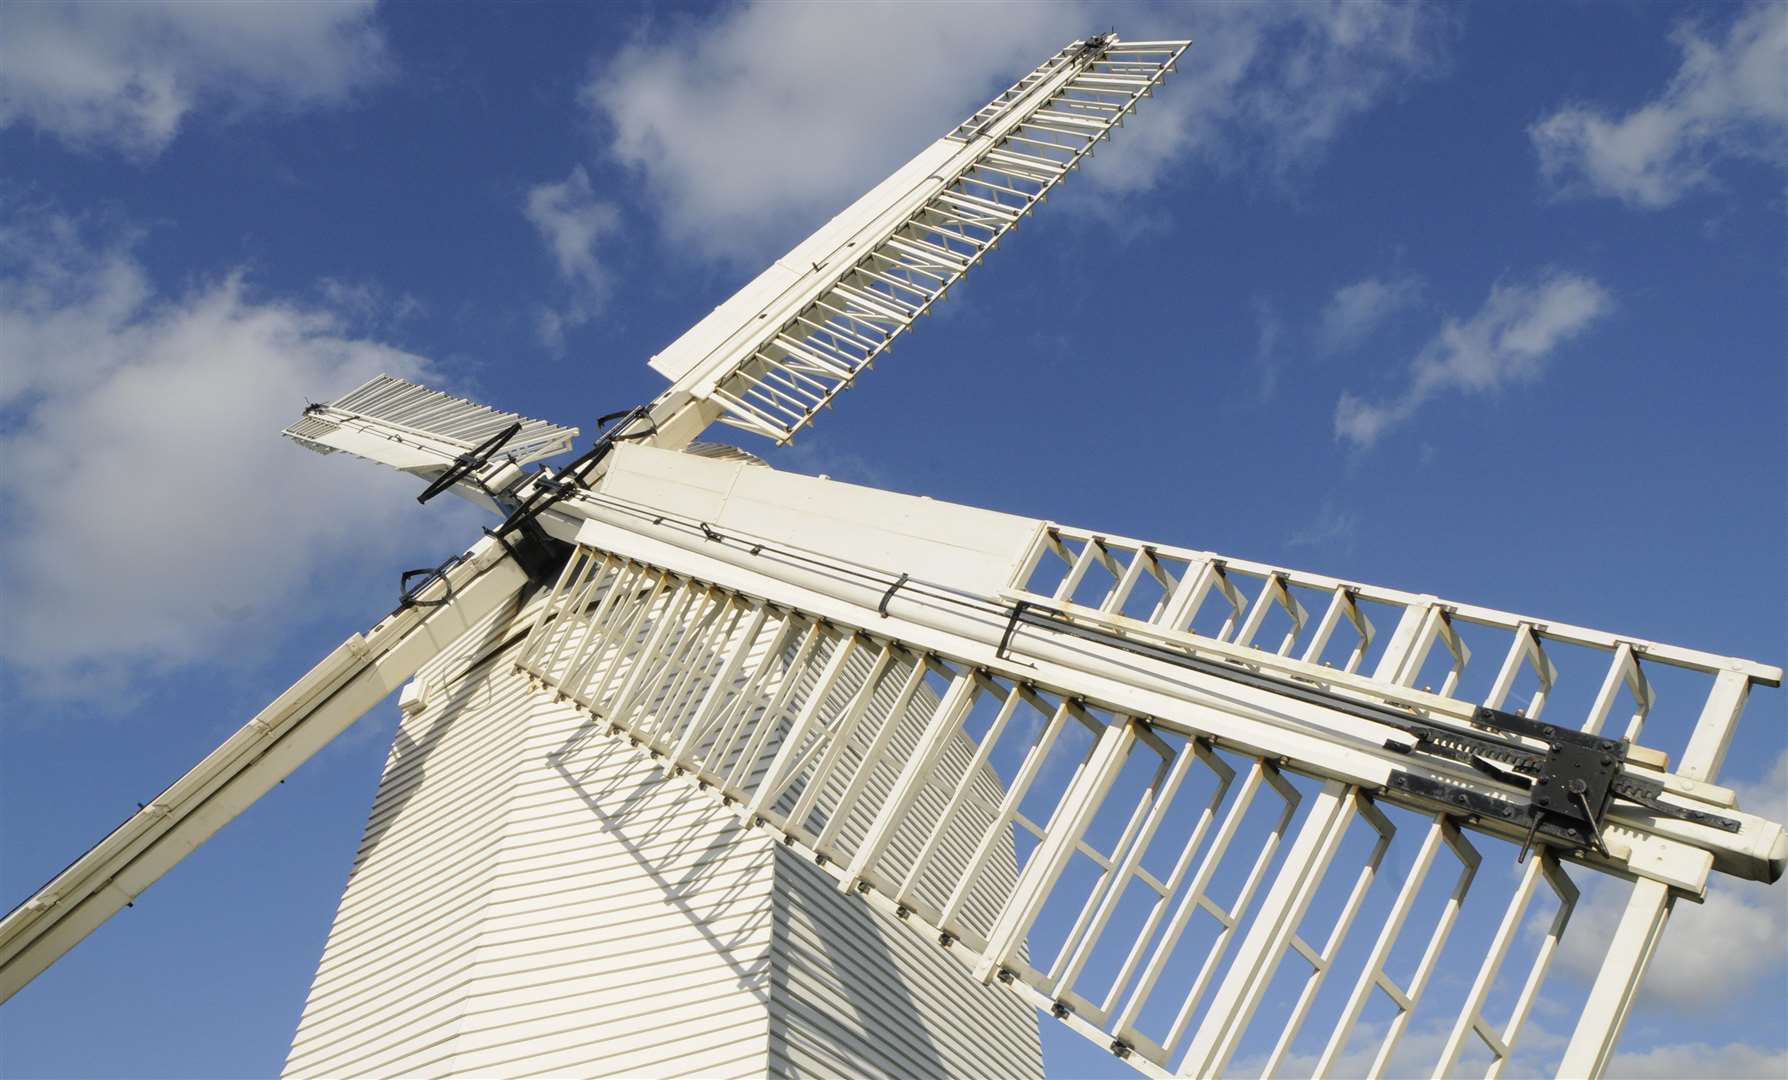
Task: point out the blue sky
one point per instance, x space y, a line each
1479 300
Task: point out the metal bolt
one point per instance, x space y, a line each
1007 975
1060 1010
945 940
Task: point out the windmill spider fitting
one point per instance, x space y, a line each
1016 766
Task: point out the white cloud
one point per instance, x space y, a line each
1726 100
1733 1061
1713 954
1510 339
1356 310
572 221
755 125
152 514
1767 796
124 75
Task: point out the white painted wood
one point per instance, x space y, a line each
1617 983
280 738
535 895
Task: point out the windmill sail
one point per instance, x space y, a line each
1056 754
407 426
780 349
708 608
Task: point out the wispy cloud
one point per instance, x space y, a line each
368 303
1268 329
123 76
1332 528
1356 310
150 507
1726 100
1510 339
743 157
572 222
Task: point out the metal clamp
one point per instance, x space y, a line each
882 608
464 465
408 594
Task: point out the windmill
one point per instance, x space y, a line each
705 767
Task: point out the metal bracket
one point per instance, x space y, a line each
464 465
882 608
1018 611
407 593
1570 787
1575 780
539 555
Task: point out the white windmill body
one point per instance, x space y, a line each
709 768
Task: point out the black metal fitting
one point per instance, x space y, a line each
882 608
407 595
464 465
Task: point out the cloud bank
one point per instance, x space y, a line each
719 116
123 76
151 508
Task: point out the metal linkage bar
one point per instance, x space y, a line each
1097 580
976 808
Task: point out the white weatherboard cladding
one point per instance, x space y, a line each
964 547
862 997
533 896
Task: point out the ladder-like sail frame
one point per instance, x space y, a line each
782 348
